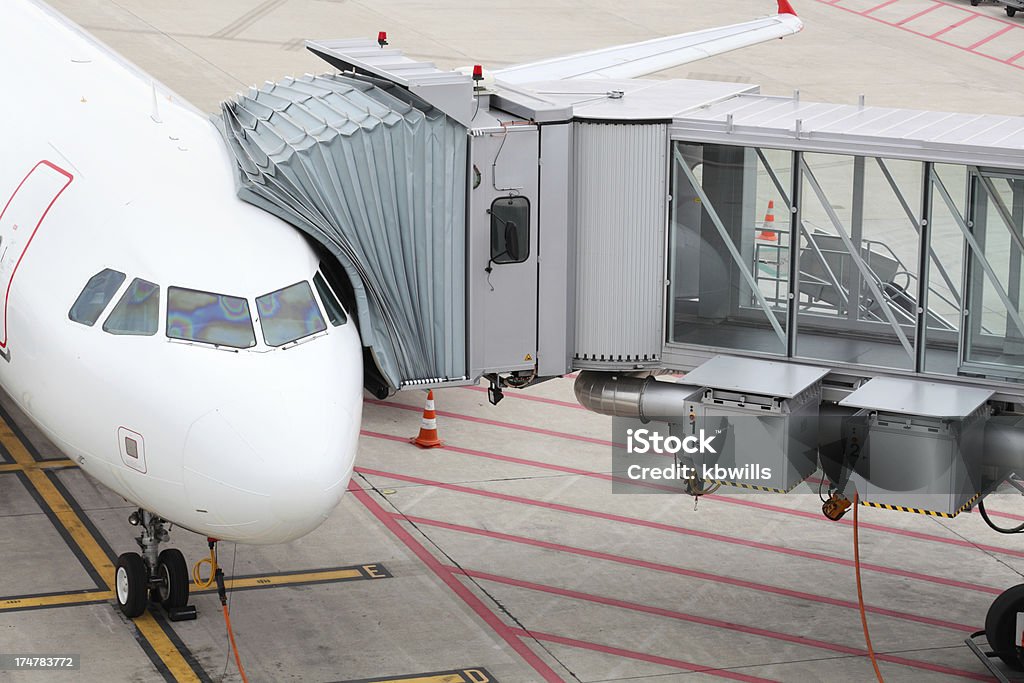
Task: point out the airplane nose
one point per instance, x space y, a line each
269 472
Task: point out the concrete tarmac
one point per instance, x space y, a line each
505 556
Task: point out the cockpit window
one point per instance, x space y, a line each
138 311
95 296
335 313
289 314
210 318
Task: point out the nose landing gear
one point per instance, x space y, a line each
161 577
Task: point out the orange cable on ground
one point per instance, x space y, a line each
860 592
231 635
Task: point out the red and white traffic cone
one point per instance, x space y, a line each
767 233
427 438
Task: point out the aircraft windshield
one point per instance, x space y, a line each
138 311
289 314
95 296
209 318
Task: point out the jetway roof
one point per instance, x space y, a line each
790 123
614 100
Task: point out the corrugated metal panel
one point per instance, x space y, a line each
621 197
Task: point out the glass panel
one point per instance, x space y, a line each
210 318
335 313
858 260
945 270
138 311
729 247
510 230
995 328
289 314
95 296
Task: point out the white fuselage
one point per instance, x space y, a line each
103 168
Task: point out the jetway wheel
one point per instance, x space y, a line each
1010 11
1001 625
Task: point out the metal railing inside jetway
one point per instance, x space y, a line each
870 262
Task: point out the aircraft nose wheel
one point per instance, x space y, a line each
162 578
171 589
131 582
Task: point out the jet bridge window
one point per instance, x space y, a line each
95 296
138 311
209 318
335 313
510 229
289 314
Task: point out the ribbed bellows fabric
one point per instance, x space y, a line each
379 178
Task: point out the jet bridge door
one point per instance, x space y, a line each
503 249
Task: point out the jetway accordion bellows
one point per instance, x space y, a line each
378 177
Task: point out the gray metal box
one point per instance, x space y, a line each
766 443
928 465
764 416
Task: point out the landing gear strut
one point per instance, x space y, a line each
160 576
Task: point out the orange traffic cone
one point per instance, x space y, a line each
427 437
769 222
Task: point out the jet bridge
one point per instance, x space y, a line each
619 226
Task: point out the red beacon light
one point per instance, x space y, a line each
478 74
382 38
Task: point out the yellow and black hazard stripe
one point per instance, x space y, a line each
754 487
919 511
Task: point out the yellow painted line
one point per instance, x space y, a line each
91 550
443 678
53 600
38 464
285 579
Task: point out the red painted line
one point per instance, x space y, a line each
467 596
993 36
692 573
971 10
1015 57
953 26
640 656
28 243
878 7
912 16
899 25
716 623
706 535
529 397
727 499
493 423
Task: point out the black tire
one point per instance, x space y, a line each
131 584
975 3
172 589
1010 11
1001 625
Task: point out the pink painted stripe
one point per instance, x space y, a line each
1015 57
467 596
953 26
726 499
640 656
530 397
706 535
493 423
993 36
971 10
717 623
1009 62
878 7
912 16
691 573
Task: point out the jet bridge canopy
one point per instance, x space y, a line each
863 238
